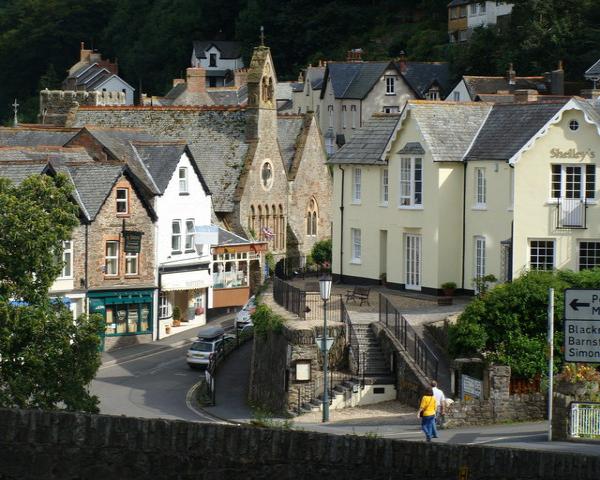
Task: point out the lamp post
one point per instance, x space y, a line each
325 290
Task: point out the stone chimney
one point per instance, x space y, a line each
557 80
95 57
84 55
196 80
402 64
240 77
354 55
511 75
178 81
526 96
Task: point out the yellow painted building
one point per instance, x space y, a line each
456 191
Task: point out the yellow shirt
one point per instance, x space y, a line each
427 405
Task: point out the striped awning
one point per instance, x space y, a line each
193 280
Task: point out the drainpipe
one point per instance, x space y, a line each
464 224
342 228
87 301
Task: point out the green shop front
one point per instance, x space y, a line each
128 315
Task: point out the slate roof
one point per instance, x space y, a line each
315 76
448 128
420 76
297 86
368 143
31 137
17 172
508 127
593 72
354 80
90 77
485 85
178 95
456 3
288 129
228 49
216 139
93 183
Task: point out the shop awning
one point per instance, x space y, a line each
185 280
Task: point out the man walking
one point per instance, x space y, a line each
440 401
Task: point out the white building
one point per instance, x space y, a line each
183 203
219 59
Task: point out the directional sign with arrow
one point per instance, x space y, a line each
582 325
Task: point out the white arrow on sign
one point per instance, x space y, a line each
582 304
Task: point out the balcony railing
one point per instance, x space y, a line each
230 279
571 213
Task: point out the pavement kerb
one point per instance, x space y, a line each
191 398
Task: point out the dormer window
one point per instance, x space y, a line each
183 180
433 94
122 201
213 60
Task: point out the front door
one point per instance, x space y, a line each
412 261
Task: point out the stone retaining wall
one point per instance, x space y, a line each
59 445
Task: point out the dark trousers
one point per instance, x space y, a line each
428 426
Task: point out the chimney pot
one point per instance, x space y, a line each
525 95
511 75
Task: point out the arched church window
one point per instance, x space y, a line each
312 218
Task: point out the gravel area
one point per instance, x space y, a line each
367 415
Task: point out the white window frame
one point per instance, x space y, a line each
356 245
67 260
176 236
344 108
356 186
391 109
183 180
164 305
479 258
530 251
482 8
385 187
390 85
330 114
408 182
136 264
480 188
457 96
579 253
125 200
583 183
109 259
189 235
353 113
473 9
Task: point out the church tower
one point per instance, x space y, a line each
262 104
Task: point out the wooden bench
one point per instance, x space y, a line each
359 293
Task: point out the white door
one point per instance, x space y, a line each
412 262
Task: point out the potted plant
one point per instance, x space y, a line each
176 316
199 311
449 288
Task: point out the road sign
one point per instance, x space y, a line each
328 343
582 325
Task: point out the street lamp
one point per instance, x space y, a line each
325 290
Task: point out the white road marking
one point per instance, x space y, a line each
142 357
190 405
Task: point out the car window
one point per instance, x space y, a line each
202 346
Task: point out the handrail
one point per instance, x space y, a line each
413 344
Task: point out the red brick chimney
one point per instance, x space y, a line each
354 55
84 55
178 81
402 63
526 95
196 80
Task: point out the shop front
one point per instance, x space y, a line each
128 316
183 293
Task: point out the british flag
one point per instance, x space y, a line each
267 233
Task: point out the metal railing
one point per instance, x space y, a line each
585 420
314 390
571 213
414 345
307 305
289 297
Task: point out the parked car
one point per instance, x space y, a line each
210 342
243 317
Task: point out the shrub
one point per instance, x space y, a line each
321 252
265 321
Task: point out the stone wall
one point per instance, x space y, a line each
501 406
57 106
59 445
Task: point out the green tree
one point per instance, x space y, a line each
46 359
321 252
36 217
508 324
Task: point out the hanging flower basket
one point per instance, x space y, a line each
199 311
